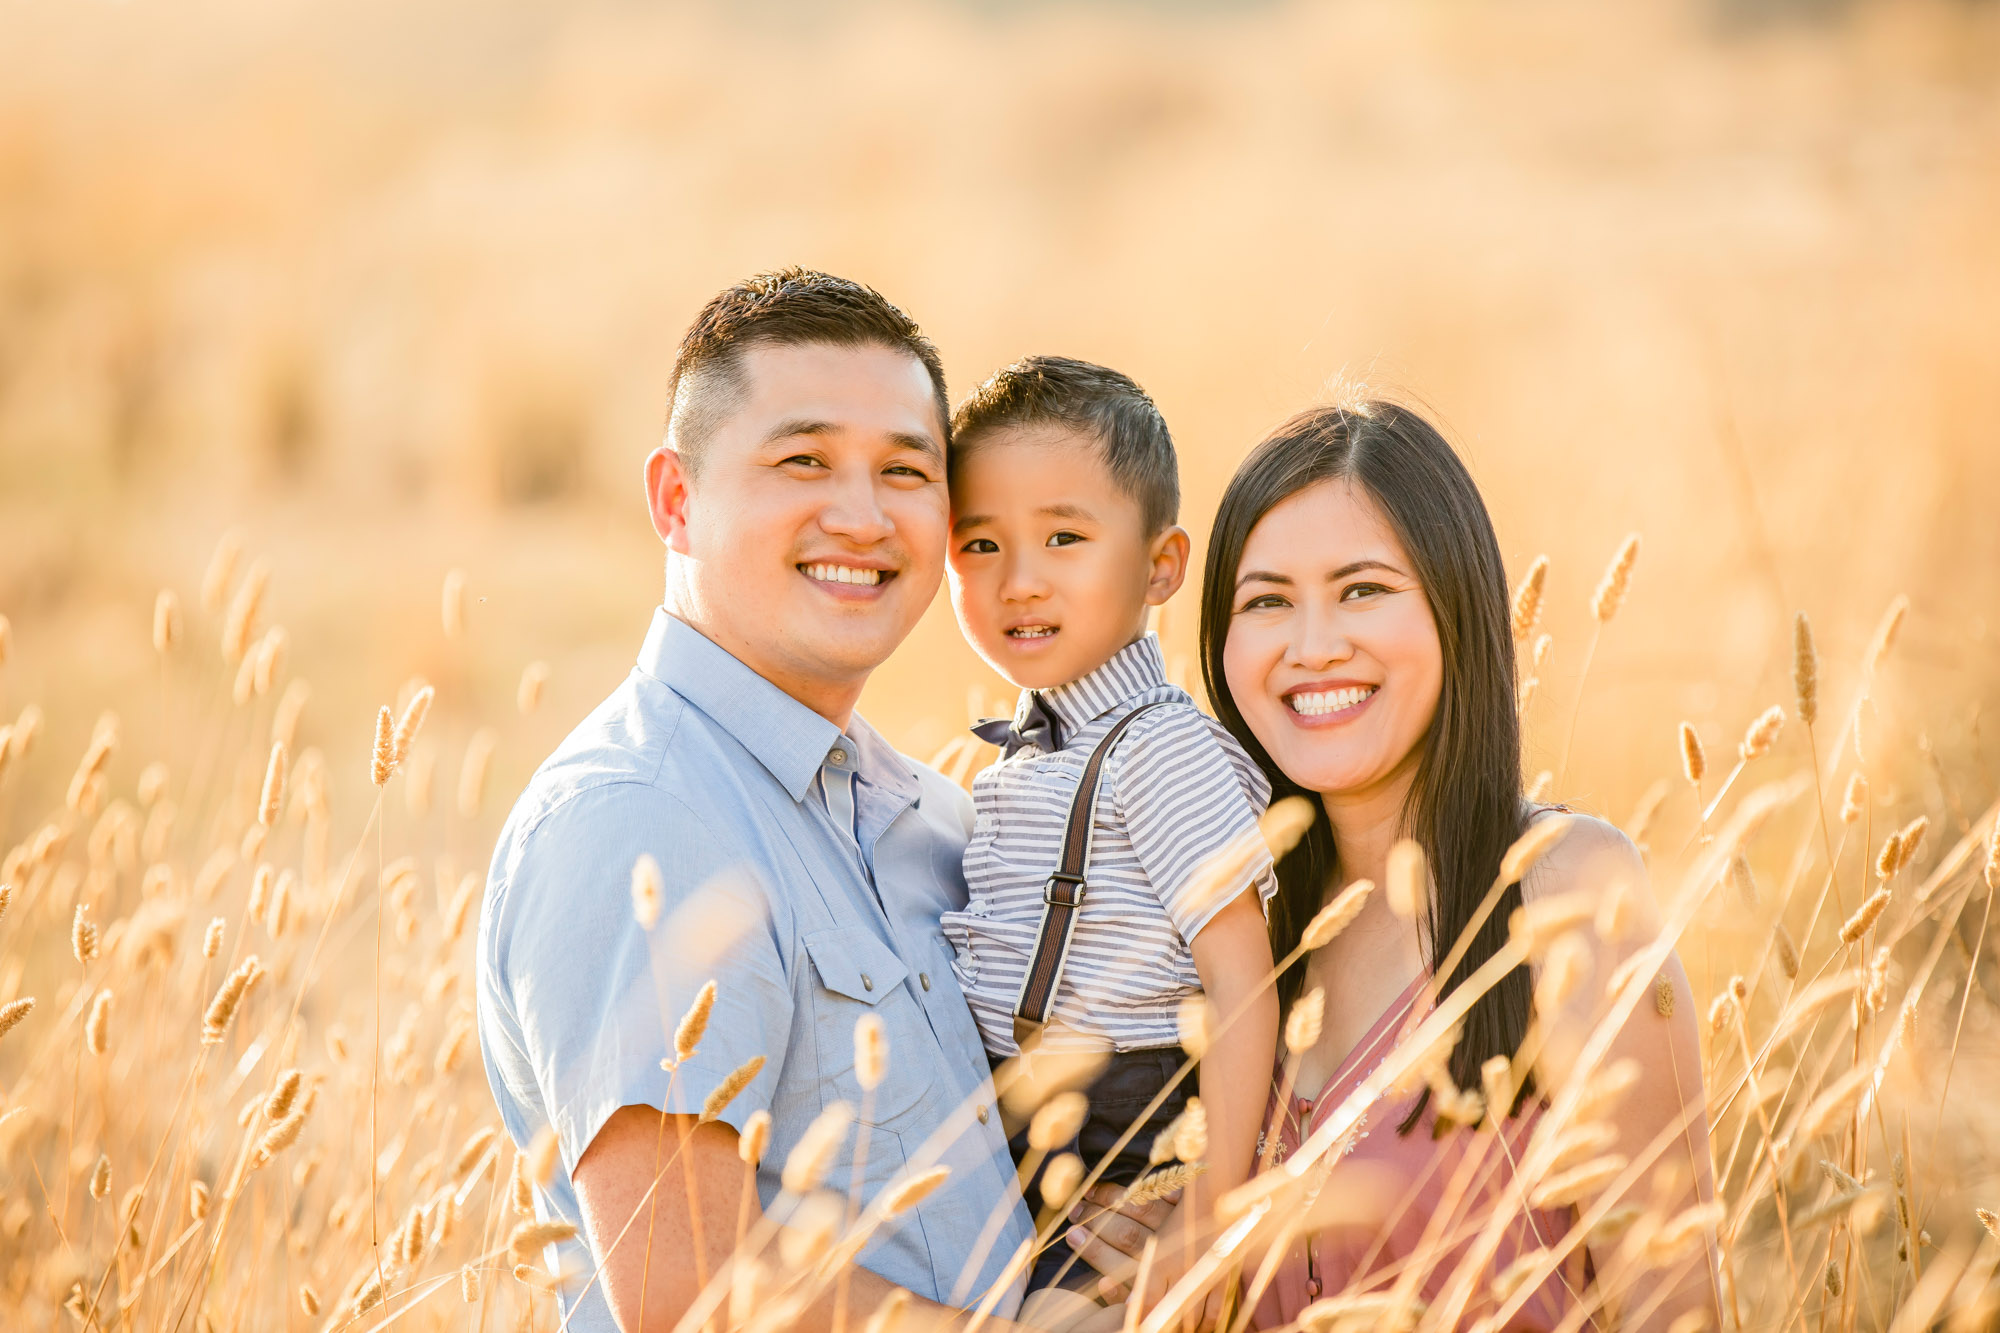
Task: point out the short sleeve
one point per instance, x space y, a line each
597 998
1184 802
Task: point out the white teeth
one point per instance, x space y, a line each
843 574
1319 703
1032 632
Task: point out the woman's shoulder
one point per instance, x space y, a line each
1591 855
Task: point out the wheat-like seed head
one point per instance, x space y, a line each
166 621
911 1190
100 1178
647 893
1335 917
454 604
1694 761
6 896
472 773
1890 858
1617 579
730 1088
283 1094
215 1021
411 722
1526 609
1058 1121
96 1028
1191 1138
1285 823
242 617
272 802
1854 802
813 1154
530 1238
1407 880
756 1137
520 1193
83 935
221 570
385 746
1992 871
367 1298
1909 838
1564 966
1303 1024
211 940
14 1011
1060 1179
308 1300
888 1316
1885 636
528 696
282 1135
1532 846
468 1284
1786 951
1744 881
1194 1023
871 1051
474 1148
693 1024
1159 1184
1762 734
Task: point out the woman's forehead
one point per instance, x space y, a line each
1325 526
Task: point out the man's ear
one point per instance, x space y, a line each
1169 556
668 490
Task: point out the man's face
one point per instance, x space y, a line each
813 536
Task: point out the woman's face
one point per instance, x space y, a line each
1332 654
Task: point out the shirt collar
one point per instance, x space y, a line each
1137 667
782 734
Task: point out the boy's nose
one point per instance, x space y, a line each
1022 582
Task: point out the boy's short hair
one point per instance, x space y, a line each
786 308
1063 391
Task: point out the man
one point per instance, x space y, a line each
803 863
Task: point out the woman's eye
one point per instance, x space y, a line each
1065 538
980 546
1265 602
1354 590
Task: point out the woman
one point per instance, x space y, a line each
1355 639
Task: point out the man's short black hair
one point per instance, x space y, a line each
786 308
1059 390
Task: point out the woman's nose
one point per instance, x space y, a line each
1320 641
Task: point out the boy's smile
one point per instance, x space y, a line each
1052 569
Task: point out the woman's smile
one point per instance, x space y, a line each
1328 704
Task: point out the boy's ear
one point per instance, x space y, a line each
1169 555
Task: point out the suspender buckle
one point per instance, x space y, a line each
1069 895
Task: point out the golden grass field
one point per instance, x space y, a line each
389 291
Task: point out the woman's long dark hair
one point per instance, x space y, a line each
1464 806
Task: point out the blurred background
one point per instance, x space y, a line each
394 288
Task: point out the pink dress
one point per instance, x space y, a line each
1389 1190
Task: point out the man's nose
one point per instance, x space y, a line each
855 511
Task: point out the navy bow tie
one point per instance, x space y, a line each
1038 727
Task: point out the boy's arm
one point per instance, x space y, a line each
1233 955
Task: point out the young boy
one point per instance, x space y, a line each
1064 492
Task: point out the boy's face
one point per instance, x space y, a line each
1051 565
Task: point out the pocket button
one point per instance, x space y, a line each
867 982
925 978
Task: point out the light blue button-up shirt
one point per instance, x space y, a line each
804 926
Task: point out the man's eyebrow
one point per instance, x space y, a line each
1333 576
797 426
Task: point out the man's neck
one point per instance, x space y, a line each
832 699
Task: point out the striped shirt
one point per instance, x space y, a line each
1175 791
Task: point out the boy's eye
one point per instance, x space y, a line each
980 546
1065 538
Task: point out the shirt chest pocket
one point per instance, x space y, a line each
860 975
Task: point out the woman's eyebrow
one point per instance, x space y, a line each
1352 567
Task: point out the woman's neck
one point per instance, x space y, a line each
1366 824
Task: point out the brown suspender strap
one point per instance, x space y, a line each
1062 896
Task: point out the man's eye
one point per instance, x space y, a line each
906 470
980 546
802 460
1065 538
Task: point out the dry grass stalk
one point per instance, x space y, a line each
1541 836
1786 952
1865 917
166 621
1617 579
1890 858
1191 1132
1854 802
1407 880
1302 1025
647 891
468 1284
472 774
1526 610
1885 636
411 722
1060 1179
96 1027
1161 1183
215 1021
273 800
1335 917
530 1238
1058 1121
242 617
911 1190
755 1139
528 695
283 1094
82 935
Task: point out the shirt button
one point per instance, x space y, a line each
867 982
982 1113
836 756
925 978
